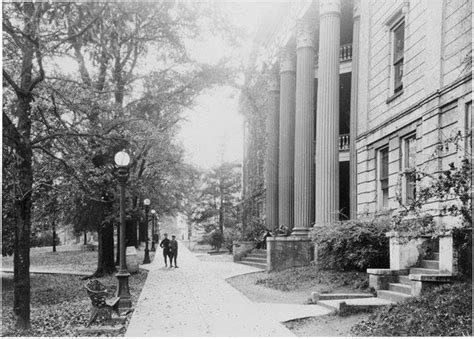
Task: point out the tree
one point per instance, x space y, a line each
218 203
29 36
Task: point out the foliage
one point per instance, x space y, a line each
444 311
215 239
254 230
231 235
43 239
59 304
323 281
255 108
453 188
352 244
216 205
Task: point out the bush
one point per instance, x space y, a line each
215 239
43 239
353 244
231 235
444 311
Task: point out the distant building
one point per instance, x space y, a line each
363 90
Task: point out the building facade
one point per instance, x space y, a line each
365 91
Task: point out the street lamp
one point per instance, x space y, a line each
153 215
122 160
146 259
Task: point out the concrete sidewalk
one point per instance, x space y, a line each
194 300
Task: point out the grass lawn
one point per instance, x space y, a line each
80 261
323 281
59 303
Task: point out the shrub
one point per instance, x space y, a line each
353 244
215 239
443 311
230 235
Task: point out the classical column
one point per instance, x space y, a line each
327 116
353 118
304 127
271 163
287 137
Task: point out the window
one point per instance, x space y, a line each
408 166
383 178
469 128
398 38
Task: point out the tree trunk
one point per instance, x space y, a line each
54 237
85 237
21 262
105 251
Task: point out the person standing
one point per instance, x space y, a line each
173 251
165 245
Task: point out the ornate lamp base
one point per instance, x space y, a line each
123 291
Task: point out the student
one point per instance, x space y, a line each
165 245
173 252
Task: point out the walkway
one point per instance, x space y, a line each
194 300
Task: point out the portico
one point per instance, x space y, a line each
311 147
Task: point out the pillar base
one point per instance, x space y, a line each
300 232
287 252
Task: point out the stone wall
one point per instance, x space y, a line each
286 252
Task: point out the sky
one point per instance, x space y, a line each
213 130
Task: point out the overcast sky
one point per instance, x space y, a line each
214 125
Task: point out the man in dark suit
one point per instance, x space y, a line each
165 245
173 251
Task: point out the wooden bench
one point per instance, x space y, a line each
98 294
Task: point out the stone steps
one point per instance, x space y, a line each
255 259
257 255
254 264
404 279
398 287
421 270
392 295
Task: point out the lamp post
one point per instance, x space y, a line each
146 259
122 160
153 216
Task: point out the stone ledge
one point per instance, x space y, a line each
431 277
96 330
289 238
316 296
386 271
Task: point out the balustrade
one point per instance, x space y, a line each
344 142
345 54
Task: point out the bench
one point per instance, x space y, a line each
98 294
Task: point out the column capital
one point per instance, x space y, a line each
329 7
356 10
305 33
287 59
